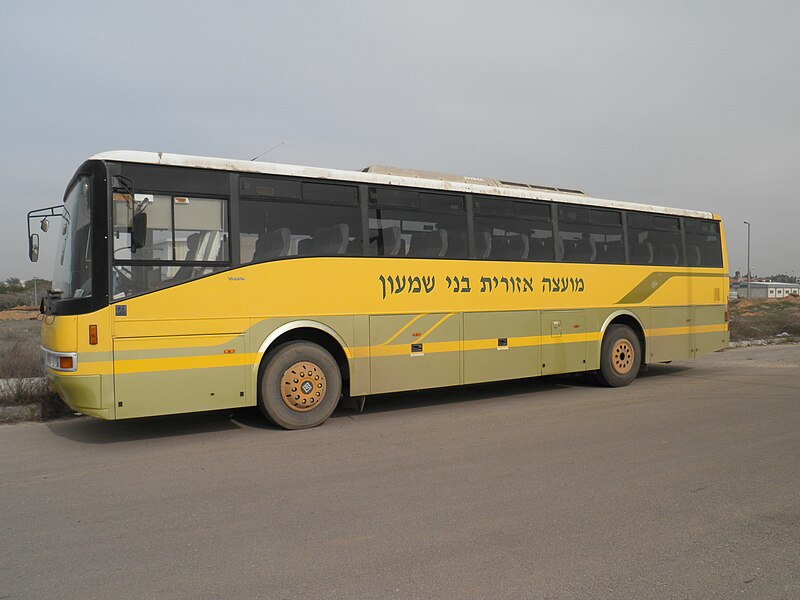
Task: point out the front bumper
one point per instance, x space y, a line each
83 393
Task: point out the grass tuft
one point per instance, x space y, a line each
23 383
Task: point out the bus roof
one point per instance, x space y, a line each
393 176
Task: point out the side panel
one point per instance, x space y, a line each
178 374
670 334
394 363
501 345
359 362
707 334
563 341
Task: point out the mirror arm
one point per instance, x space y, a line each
50 211
40 213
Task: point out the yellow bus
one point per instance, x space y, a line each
187 283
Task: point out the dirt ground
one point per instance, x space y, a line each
761 319
19 314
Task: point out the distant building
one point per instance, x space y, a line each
766 289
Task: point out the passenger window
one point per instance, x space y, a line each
323 220
654 239
703 245
416 234
590 235
512 230
606 233
437 229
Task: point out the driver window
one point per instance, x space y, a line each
158 245
186 238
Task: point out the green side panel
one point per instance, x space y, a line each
516 359
709 315
563 341
359 366
80 392
712 341
107 384
181 391
408 370
670 347
594 320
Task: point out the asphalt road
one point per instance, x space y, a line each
684 485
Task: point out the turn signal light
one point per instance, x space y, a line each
93 335
65 362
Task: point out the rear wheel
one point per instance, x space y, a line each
300 385
620 356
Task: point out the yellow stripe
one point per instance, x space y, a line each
686 330
403 328
439 322
179 364
403 350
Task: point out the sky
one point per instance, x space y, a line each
689 104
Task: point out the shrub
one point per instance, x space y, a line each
23 380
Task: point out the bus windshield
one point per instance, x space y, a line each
72 275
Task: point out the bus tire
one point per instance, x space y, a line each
620 356
300 385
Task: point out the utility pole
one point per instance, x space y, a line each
748 259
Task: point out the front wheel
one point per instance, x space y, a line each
620 356
300 385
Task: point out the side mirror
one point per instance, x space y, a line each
33 247
45 224
139 231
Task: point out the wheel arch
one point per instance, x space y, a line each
306 331
625 317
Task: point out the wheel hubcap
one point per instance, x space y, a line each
622 357
303 386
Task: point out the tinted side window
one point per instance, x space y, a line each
436 229
703 244
654 239
281 218
512 230
590 235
